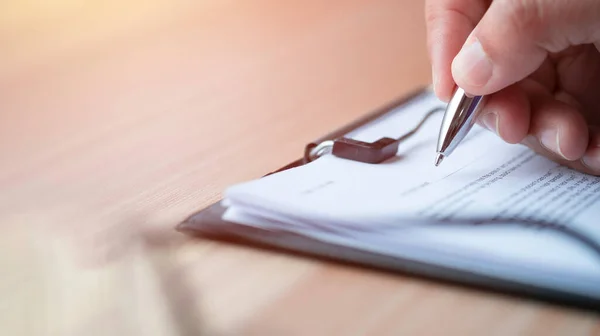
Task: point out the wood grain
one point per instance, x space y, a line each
120 118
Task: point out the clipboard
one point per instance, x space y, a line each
208 223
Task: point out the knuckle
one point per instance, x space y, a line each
528 16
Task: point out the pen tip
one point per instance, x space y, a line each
438 159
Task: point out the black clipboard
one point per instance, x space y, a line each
208 223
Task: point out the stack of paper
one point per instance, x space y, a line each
487 209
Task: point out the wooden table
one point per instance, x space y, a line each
120 118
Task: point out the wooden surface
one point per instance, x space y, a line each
120 118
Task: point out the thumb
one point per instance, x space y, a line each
514 38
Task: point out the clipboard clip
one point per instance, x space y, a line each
362 151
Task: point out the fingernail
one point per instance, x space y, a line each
550 139
472 66
592 160
490 121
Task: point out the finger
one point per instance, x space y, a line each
579 71
567 98
547 112
557 127
545 75
507 114
591 160
449 22
514 38
589 163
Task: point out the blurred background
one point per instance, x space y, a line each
118 119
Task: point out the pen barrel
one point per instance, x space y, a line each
461 114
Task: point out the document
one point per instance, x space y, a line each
491 208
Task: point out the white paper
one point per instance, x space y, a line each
468 249
391 207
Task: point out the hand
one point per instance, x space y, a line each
539 62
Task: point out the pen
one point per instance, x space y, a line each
460 116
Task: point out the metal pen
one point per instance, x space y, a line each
460 116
